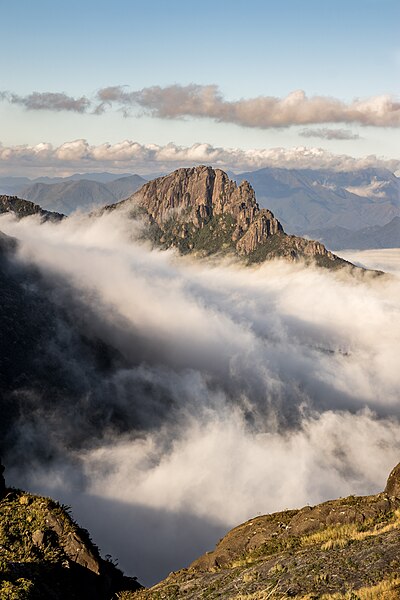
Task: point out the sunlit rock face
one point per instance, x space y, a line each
201 210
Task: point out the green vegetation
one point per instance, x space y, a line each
215 236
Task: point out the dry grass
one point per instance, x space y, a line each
339 536
386 590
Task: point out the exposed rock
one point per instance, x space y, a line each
201 210
393 483
38 537
72 543
262 227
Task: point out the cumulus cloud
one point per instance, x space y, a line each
329 134
234 391
128 154
48 101
207 101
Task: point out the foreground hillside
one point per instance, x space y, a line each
341 549
44 554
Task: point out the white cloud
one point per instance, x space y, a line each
259 388
79 155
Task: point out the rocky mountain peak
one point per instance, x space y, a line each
196 195
201 210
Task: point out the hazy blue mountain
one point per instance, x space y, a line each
84 194
376 236
10 186
68 196
14 185
123 187
306 200
103 177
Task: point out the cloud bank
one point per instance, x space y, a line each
207 101
177 101
233 391
78 155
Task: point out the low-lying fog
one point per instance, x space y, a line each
241 390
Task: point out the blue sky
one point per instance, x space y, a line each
248 49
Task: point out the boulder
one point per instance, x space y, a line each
393 483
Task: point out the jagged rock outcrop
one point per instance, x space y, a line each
201 210
25 208
263 226
339 547
393 483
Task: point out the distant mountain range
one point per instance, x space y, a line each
376 236
80 191
321 203
337 208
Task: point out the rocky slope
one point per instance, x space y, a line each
200 210
45 554
24 208
346 548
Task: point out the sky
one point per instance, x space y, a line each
148 85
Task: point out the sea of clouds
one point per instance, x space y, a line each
239 390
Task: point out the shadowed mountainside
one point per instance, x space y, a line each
45 554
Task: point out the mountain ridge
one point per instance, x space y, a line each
25 208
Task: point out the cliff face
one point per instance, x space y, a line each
201 210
